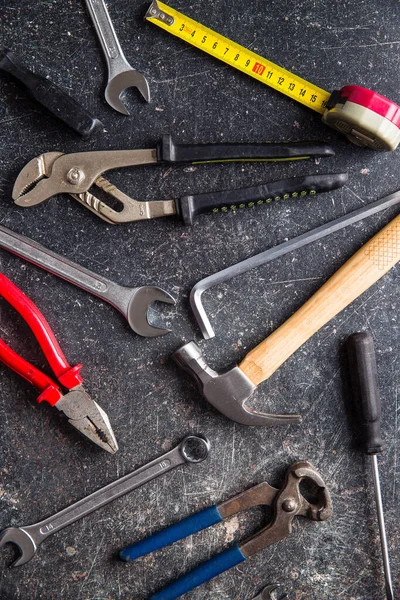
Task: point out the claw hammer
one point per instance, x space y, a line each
228 392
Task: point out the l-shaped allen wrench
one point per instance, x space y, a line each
276 252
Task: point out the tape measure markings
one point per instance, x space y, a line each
365 117
237 56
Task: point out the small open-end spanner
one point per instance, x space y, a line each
192 449
266 594
133 303
120 73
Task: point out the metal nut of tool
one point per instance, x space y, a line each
157 13
289 505
75 176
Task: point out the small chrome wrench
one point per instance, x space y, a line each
133 303
120 73
192 449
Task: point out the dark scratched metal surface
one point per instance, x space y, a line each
45 464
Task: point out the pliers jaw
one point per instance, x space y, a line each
34 185
88 418
58 173
289 503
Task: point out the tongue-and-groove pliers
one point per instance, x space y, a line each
83 412
76 174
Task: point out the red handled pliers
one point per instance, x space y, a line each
83 412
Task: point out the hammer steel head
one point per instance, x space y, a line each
227 392
22 539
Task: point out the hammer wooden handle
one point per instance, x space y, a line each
362 270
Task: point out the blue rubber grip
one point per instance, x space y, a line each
178 531
213 567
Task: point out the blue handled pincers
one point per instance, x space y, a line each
288 502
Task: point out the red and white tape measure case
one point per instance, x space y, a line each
365 117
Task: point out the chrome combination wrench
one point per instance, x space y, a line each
192 449
133 303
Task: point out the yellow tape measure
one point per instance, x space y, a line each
237 56
365 117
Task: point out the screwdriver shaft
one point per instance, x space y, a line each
382 530
364 379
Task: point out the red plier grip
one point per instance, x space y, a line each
50 390
68 376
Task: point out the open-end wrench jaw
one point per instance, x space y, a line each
228 392
24 542
117 85
139 307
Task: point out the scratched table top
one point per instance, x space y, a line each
44 464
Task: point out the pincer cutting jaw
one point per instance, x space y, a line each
33 185
22 539
227 392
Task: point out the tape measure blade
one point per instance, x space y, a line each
240 58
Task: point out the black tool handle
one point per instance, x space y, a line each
52 97
190 206
169 152
364 380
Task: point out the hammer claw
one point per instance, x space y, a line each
227 392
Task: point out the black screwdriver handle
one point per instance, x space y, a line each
295 187
364 380
51 96
170 152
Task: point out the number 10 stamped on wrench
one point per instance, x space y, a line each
192 449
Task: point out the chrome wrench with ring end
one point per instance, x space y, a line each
192 449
